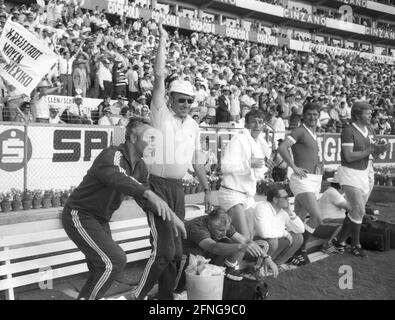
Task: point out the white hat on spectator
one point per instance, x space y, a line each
182 86
250 88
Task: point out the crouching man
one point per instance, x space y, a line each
214 237
276 223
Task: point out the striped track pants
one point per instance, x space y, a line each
105 258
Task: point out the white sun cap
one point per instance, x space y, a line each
182 86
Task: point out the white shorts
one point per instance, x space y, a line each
229 198
354 178
311 184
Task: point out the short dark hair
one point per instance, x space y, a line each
220 215
254 114
25 105
311 106
133 123
358 108
273 192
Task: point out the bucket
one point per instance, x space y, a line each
204 287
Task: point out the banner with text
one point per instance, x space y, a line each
59 156
122 8
305 17
27 60
335 51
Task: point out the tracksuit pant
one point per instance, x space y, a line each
166 252
105 258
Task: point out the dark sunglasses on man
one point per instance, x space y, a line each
183 100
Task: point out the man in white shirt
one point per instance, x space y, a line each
246 160
276 223
40 105
176 150
106 119
105 79
132 78
78 112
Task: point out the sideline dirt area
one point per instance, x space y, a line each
373 277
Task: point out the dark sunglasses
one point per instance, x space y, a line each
285 197
183 100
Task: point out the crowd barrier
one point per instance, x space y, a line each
44 156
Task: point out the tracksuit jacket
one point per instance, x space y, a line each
101 191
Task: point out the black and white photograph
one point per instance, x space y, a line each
211 153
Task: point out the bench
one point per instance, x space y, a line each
40 257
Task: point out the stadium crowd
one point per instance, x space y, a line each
101 56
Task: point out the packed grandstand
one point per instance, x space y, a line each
271 55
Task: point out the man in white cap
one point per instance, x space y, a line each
181 148
40 103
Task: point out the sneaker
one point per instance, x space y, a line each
341 248
358 251
332 247
286 267
300 259
233 274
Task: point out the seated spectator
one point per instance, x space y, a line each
279 226
77 113
214 237
106 119
383 125
24 113
344 112
146 85
334 207
139 104
120 104
12 101
205 121
124 117
223 111
196 118
104 104
54 117
145 113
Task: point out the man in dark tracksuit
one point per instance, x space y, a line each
87 212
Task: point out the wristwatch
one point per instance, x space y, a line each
267 257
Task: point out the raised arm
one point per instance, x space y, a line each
158 95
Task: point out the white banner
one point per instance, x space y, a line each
58 157
336 51
27 59
63 102
61 156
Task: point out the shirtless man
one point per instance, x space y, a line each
305 182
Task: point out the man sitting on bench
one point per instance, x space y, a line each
214 237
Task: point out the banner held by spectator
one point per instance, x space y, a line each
27 60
